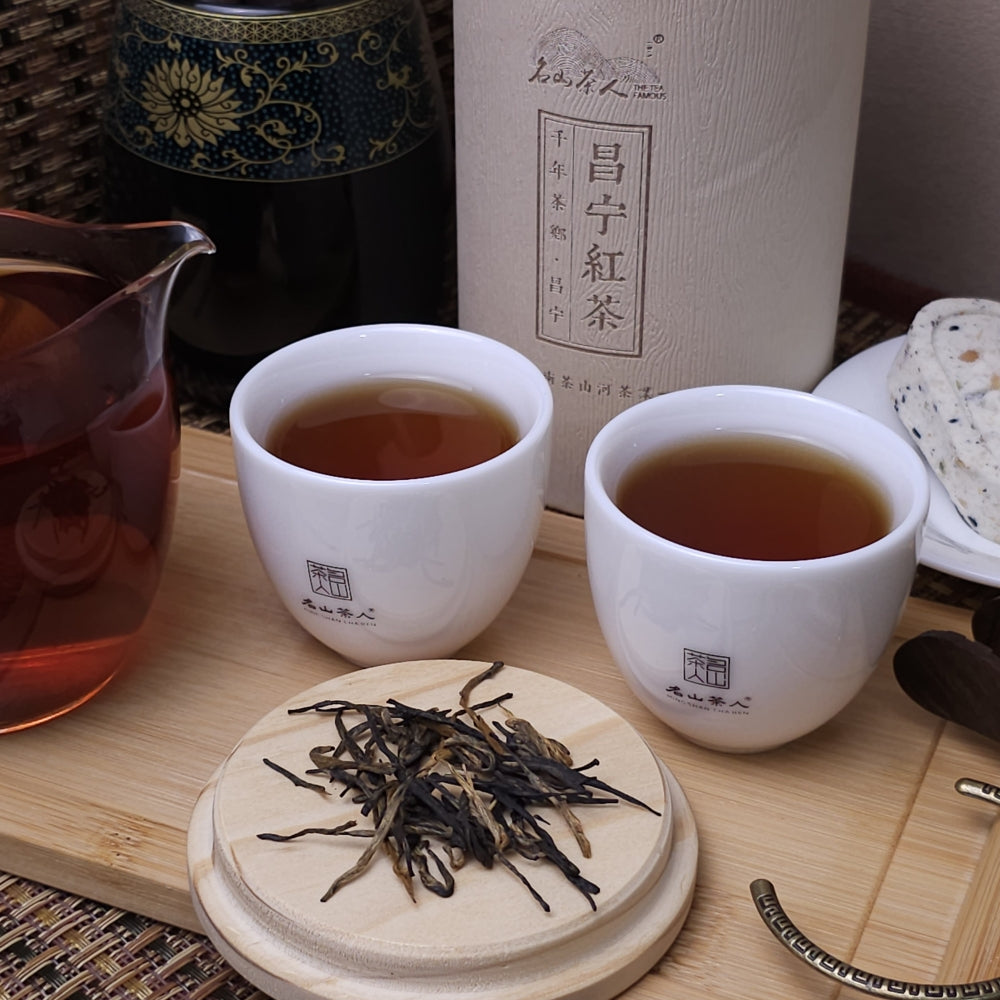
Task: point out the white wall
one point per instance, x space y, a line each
926 196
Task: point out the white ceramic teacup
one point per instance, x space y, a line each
737 654
383 571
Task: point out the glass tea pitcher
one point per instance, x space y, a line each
89 450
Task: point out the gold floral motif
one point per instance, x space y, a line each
296 128
247 110
188 104
373 51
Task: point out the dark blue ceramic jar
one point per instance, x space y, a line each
310 142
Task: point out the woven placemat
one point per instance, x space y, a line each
56 946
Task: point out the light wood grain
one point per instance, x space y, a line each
857 825
973 951
262 902
931 873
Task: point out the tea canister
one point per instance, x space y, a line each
653 195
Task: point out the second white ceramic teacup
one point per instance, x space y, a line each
383 571
744 654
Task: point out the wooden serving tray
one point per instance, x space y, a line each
858 826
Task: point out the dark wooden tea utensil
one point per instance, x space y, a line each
956 678
986 624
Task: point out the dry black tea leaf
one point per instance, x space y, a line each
442 787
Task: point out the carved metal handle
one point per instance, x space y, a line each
781 926
978 790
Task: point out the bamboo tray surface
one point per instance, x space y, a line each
857 825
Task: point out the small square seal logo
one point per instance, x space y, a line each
707 669
329 581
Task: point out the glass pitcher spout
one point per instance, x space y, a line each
57 278
142 254
120 253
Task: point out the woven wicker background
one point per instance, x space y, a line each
52 70
51 73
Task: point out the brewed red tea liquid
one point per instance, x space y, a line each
84 522
392 429
36 303
754 497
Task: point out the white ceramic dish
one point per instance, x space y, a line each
949 544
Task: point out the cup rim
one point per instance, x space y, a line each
243 392
596 494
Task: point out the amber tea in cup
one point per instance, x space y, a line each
749 551
388 429
752 497
393 479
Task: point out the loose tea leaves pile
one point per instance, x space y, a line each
441 787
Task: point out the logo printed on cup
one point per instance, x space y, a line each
711 671
332 584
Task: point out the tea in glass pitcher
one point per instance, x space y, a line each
89 451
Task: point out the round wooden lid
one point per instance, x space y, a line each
260 901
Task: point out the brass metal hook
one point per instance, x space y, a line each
781 926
